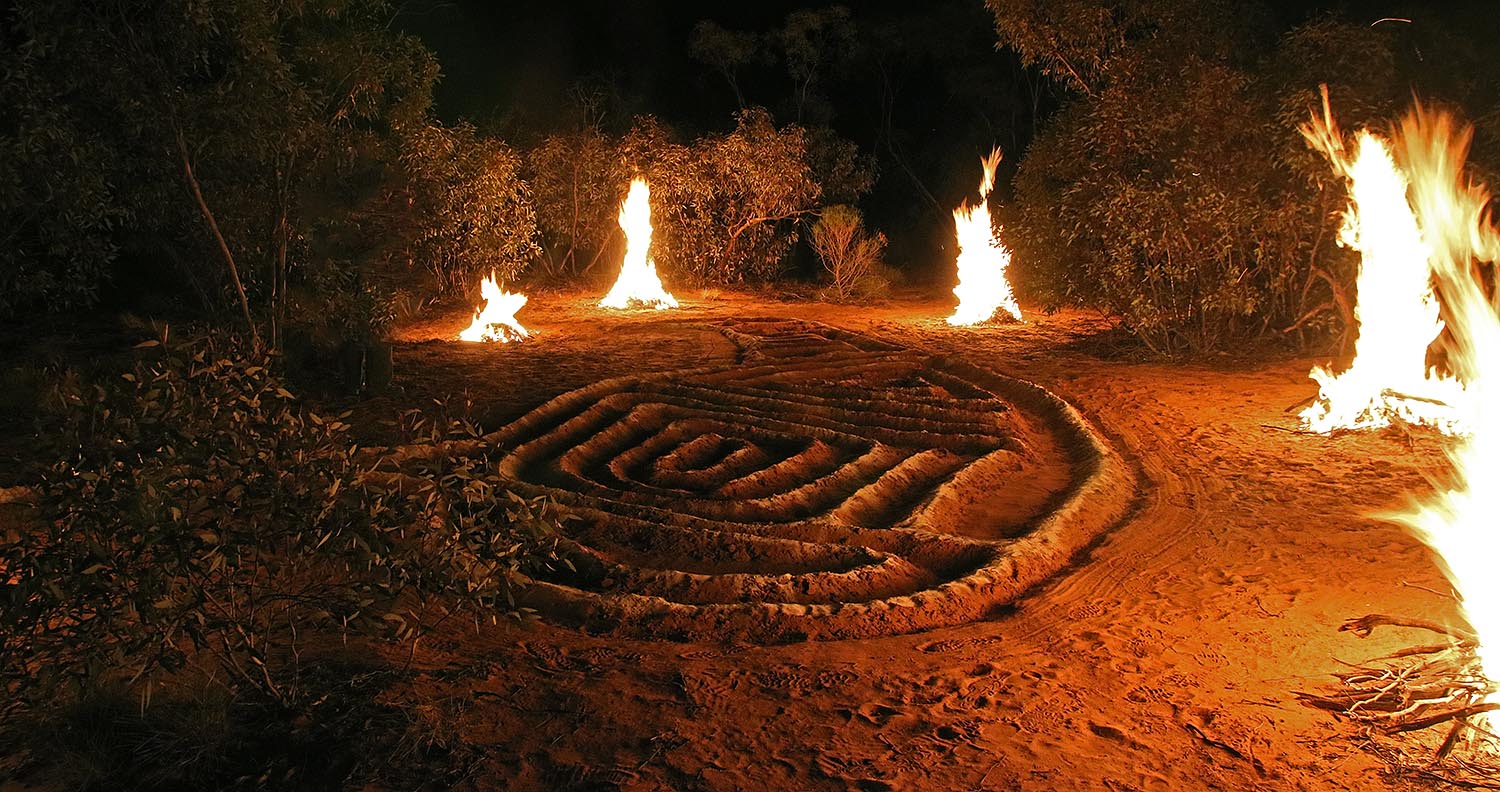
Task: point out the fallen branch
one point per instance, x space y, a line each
1364 625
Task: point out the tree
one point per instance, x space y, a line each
762 187
575 180
813 41
265 136
1172 189
727 51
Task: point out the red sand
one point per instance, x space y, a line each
1166 657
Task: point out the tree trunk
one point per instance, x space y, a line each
213 226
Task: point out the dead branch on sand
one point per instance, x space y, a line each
1398 699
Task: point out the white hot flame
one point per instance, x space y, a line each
496 320
1461 523
1396 311
982 289
1427 243
638 282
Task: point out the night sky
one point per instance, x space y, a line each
511 70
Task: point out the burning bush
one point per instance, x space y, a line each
207 522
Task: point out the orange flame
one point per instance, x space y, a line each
638 282
1396 312
1424 233
982 289
496 320
1460 522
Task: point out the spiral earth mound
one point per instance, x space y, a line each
825 486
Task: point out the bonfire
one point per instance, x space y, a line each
496 319
1428 246
1397 313
638 283
982 289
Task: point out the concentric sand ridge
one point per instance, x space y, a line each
825 486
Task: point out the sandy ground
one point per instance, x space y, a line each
1167 656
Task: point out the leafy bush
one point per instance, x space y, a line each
850 255
469 210
726 208
576 180
207 519
1173 190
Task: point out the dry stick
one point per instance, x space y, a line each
1395 394
208 215
1447 594
1364 625
1433 720
1301 404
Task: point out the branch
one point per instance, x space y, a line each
213 226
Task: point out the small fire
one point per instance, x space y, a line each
496 321
638 282
982 289
1396 310
1425 234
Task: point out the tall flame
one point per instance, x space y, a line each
982 289
1461 523
1396 311
496 320
638 282
1425 233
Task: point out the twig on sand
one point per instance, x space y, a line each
1422 687
1364 625
1445 594
1288 429
1302 405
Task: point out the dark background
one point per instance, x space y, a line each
515 68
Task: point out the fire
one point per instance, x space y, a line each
638 282
1422 227
982 289
1459 522
496 321
1396 310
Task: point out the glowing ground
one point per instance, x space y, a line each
1168 654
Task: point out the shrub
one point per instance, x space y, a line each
1173 191
850 255
576 180
726 209
207 518
469 212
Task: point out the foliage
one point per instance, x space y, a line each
849 254
1173 189
306 127
205 519
576 180
469 210
727 207
727 51
841 171
57 206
